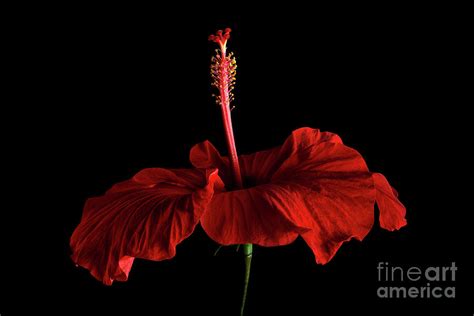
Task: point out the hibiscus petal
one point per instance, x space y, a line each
392 211
256 215
205 155
340 212
306 136
145 217
260 167
337 193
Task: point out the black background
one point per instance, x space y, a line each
116 90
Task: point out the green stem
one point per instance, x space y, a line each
217 250
248 250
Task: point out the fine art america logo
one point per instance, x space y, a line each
429 282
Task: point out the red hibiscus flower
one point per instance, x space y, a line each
312 186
